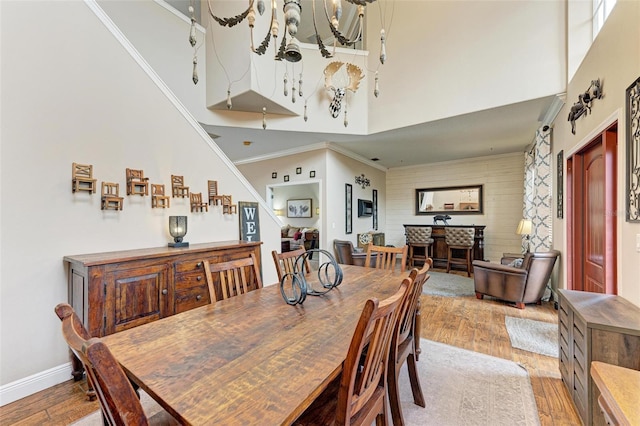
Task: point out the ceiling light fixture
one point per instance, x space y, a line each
289 50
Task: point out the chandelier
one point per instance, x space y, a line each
287 48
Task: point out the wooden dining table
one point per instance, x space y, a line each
251 359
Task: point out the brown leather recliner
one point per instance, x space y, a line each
524 284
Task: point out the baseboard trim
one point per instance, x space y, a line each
35 383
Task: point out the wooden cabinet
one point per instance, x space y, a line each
440 249
594 327
119 290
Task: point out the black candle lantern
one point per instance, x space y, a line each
178 229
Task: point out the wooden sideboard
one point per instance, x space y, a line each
594 327
118 290
439 248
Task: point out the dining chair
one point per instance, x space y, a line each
235 277
285 262
385 257
359 395
459 239
118 400
343 250
405 345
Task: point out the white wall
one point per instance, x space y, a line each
614 57
72 93
502 177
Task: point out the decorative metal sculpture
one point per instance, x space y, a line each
441 218
294 286
363 181
583 105
355 75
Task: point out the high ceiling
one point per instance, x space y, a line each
500 130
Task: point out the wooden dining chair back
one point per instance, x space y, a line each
343 250
286 262
405 345
382 257
234 277
118 400
359 395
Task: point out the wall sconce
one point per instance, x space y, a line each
278 212
178 229
524 228
317 211
583 105
363 181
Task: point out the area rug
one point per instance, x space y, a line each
460 387
448 285
533 336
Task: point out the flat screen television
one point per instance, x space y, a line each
365 208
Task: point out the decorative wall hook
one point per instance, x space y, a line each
583 105
363 181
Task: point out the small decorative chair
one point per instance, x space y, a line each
459 239
177 187
137 184
214 197
227 205
197 205
118 400
359 395
235 277
343 250
382 257
285 262
82 178
158 199
405 346
111 199
419 237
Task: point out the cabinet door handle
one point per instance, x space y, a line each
199 297
165 292
199 278
199 264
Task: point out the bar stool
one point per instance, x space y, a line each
420 237
459 239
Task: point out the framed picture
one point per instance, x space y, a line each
299 208
298 170
632 101
348 222
274 175
312 174
447 200
286 178
560 183
374 200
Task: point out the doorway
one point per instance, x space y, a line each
592 214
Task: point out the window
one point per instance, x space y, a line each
601 11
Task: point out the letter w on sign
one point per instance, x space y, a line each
249 221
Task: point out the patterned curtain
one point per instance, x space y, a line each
538 191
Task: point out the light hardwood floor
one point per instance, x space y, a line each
468 323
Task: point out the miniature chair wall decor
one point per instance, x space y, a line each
137 184
459 239
82 178
158 198
197 205
227 206
177 187
111 199
214 197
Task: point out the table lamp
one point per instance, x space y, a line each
524 228
178 229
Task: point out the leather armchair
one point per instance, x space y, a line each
343 250
520 285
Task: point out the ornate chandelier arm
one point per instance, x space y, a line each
323 50
337 34
273 32
230 22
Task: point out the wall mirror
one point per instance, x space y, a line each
451 199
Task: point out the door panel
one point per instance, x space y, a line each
594 224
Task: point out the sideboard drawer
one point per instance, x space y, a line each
187 280
193 297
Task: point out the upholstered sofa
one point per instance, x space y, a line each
518 284
293 237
